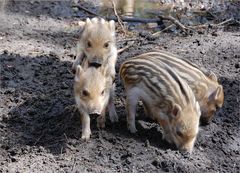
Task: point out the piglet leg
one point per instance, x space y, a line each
86 131
131 103
111 107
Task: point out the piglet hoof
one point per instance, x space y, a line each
86 136
132 129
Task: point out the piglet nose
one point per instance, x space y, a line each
94 114
95 62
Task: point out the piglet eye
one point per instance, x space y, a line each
179 133
89 44
106 45
102 93
85 93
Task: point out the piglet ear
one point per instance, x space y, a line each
176 110
216 94
94 20
112 27
78 73
88 22
213 77
102 21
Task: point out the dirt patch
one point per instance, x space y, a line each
40 128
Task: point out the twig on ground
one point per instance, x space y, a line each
66 137
204 26
126 47
213 25
211 14
118 18
69 71
128 39
186 29
225 22
176 22
159 32
86 10
134 19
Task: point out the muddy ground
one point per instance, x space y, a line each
40 128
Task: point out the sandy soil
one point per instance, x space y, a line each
40 128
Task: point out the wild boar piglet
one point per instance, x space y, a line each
97 45
166 97
92 90
208 92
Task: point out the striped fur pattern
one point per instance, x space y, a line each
166 98
208 92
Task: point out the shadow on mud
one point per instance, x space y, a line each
41 111
229 114
37 92
148 132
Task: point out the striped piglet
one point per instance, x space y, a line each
166 97
208 92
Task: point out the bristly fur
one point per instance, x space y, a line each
208 92
94 70
97 45
166 97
